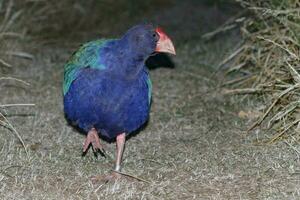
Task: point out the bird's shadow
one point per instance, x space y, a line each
159 60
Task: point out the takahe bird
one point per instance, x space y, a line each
107 88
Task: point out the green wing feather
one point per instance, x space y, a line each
86 56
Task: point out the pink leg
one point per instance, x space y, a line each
92 138
120 143
120 149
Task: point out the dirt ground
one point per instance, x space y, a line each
194 146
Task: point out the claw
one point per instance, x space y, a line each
102 152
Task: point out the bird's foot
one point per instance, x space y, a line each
93 139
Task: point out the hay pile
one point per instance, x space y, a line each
267 63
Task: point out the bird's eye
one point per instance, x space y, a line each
154 35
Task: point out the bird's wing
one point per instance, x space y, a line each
88 55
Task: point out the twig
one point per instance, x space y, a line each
296 150
242 91
15 79
293 72
10 126
282 132
151 160
209 35
3 171
239 80
12 19
230 57
276 44
132 176
275 12
20 104
228 25
198 76
272 105
7 14
96 190
235 68
285 111
11 34
5 63
21 55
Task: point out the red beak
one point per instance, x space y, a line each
164 44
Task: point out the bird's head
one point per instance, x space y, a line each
145 40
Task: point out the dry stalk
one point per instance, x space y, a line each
270 56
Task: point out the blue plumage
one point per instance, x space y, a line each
115 96
110 104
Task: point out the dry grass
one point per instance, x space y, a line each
267 63
9 22
193 147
